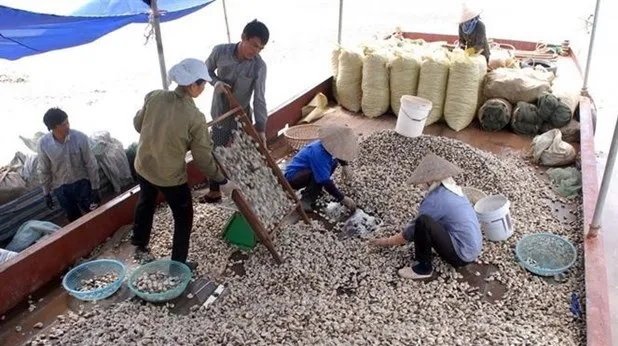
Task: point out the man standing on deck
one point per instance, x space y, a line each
238 66
67 166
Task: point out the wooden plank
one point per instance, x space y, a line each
224 116
597 302
278 225
238 198
256 224
250 130
252 219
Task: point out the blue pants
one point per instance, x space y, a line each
73 197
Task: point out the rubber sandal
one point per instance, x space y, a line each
208 199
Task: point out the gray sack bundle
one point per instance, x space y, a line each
553 111
495 114
526 119
571 132
549 149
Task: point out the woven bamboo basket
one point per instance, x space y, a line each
300 135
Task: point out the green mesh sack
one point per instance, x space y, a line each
566 181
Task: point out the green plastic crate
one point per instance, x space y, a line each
238 232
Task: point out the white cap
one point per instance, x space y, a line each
468 12
188 72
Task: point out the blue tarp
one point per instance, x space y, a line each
24 33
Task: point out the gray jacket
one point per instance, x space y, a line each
246 77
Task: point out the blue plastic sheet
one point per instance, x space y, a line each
27 32
575 308
29 233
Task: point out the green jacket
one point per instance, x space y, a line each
170 124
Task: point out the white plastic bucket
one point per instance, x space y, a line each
494 216
412 115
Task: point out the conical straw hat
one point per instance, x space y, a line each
433 168
468 12
339 141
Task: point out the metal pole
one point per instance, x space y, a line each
157 30
227 24
340 21
607 178
591 47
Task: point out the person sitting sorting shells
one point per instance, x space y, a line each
472 31
446 221
313 165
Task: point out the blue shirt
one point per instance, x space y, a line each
315 157
457 216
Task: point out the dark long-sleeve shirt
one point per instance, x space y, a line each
245 77
477 39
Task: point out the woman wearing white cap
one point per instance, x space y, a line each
446 221
472 31
170 124
312 167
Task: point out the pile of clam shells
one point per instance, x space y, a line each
361 224
97 282
343 291
206 246
156 282
248 169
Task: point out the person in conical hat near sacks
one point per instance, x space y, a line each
312 167
472 30
446 221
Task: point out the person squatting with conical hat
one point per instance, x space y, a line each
312 167
446 221
472 32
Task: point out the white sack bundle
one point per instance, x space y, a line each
432 83
462 94
349 76
376 94
404 73
517 85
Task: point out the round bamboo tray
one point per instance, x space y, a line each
300 135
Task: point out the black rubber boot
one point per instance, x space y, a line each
192 265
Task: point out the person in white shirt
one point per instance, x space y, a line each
67 167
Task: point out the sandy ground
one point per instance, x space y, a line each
102 84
